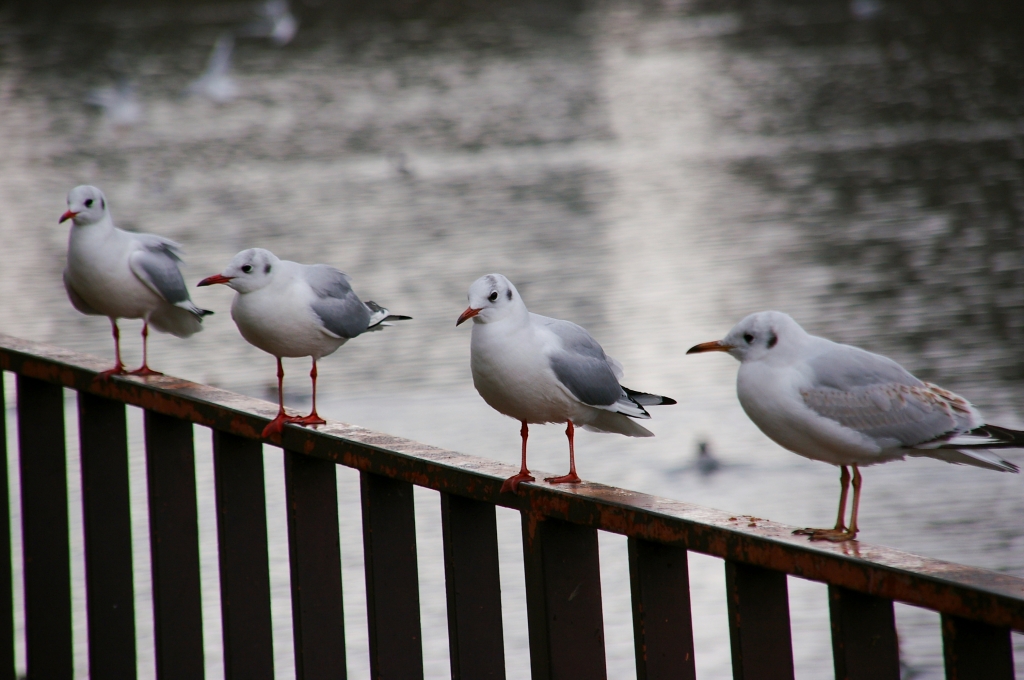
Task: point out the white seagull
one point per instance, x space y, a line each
848 407
216 83
289 309
124 275
541 370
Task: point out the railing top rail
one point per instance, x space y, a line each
970 592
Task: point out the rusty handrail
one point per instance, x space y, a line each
950 588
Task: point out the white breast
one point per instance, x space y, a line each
99 272
279 320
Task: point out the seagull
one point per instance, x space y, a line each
119 103
216 83
289 309
124 275
541 370
276 22
848 407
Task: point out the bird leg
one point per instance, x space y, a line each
840 533
276 426
572 477
312 418
513 482
144 369
118 368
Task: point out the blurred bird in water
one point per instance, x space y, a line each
124 275
276 22
289 309
119 103
848 407
216 83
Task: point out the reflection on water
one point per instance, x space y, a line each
652 172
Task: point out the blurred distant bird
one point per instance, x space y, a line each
865 10
216 83
289 309
119 103
276 22
706 462
124 275
541 370
845 406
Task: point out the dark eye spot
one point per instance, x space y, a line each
246 268
509 294
748 338
266 270
88 203
772 340
493 296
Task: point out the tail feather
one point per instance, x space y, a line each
986 437
645 399
609 421
975 457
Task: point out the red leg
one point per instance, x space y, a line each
312 418
572 477
276 426
144 369
513 482
118 368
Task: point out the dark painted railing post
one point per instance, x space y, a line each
864 643
662 628
6 581
242 549
563 600
318 623
106 514
174 546
44 529
475 640
392 580
758 603
976 651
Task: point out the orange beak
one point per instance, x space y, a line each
69 215
713 346
468 314
216 278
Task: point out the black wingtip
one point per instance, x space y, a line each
668 401
205 312
398 317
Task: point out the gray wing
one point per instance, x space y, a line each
77 301
581 365
339 308
879 398
156 265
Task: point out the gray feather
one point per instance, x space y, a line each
157 267
582 366
339 308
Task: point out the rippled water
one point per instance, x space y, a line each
651 172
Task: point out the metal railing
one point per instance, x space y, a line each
979 608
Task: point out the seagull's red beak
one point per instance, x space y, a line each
468 314
69 215
216 278
713 346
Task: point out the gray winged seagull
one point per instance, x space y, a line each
848 407
541 370
125 275
289 309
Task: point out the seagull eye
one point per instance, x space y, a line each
748 338
493 296
88 203
247 268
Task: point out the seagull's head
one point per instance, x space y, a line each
86 205
248 271
758 336
491 298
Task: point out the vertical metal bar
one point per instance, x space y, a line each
174 547
864 643
758 599
976 651
106 515
44 521
6 585
662 628
475 639
563 600
244 564
392 582
318 623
